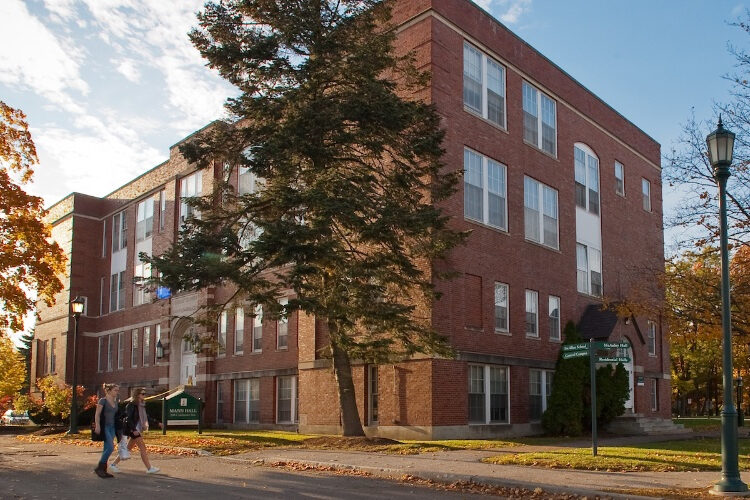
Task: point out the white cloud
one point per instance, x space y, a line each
61 10
43 63
128 69
508 11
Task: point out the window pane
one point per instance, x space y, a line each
498 394
595 263
285 399
240 401
550 217
593 184
239 329
496 194
472 78
531 313
582 264
531 209
554 318
535 394
646 187
476 394
580 176
253 400
473 186
121 291
619 178
530 114
549 139
501 306
495 93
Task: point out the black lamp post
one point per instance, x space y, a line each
720 144
77 308
159 349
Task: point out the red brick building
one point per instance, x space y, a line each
563 196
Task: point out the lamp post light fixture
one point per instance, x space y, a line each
77 307
159 350
720 145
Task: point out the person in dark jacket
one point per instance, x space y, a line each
136 422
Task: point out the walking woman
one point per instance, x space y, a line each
136 422
104 422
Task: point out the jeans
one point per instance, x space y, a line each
109 443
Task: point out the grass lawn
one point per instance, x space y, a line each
700 423
700 454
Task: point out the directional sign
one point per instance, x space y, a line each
575 354
611 345
612 359
575 347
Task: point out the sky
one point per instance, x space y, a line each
109 85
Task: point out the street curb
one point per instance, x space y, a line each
441 477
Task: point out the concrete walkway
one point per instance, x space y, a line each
466 465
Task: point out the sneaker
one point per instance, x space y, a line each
114 468
124 454
153 470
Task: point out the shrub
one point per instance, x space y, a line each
564 414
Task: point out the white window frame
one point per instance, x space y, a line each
119 231
190 186
221 336
646 191
282 328
120 350
587 174
545 378
588 262
117 291
141 293
534 217
654 394
651 337
501 301
239 330
554 304
144 219
251 404
104 238
292 401
157 338
532 307
102 288
542 102
99 357
619 178
257 329
162 209
134 348
373 391
498 190
487 371
146 345
485 63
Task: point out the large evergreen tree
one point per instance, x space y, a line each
347 157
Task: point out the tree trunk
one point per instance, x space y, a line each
342 369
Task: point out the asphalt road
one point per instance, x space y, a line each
52 471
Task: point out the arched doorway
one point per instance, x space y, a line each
628 352
183 358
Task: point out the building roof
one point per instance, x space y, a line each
597 323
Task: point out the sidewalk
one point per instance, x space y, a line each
466 466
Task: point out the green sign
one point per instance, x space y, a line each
575 347
612 359
182 409
611 345
575 354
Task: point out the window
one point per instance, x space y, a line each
120 350
619 179
110 352
540 213
534 121
101 359
146 345
286 394
117 292
219 403
373 395
646 188
554 318
586 178
142 273
119 232
282 327
484 86
589 270
102 291
488 394
144 219
247 181
239 329
532 313
190 186
654 394
501 307
258 329
247 401
222 335
651 334
104 238
157 335
162 209
52 356
540 389
485 190
134 348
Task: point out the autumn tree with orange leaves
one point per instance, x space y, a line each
29 260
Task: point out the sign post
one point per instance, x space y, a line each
592 368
